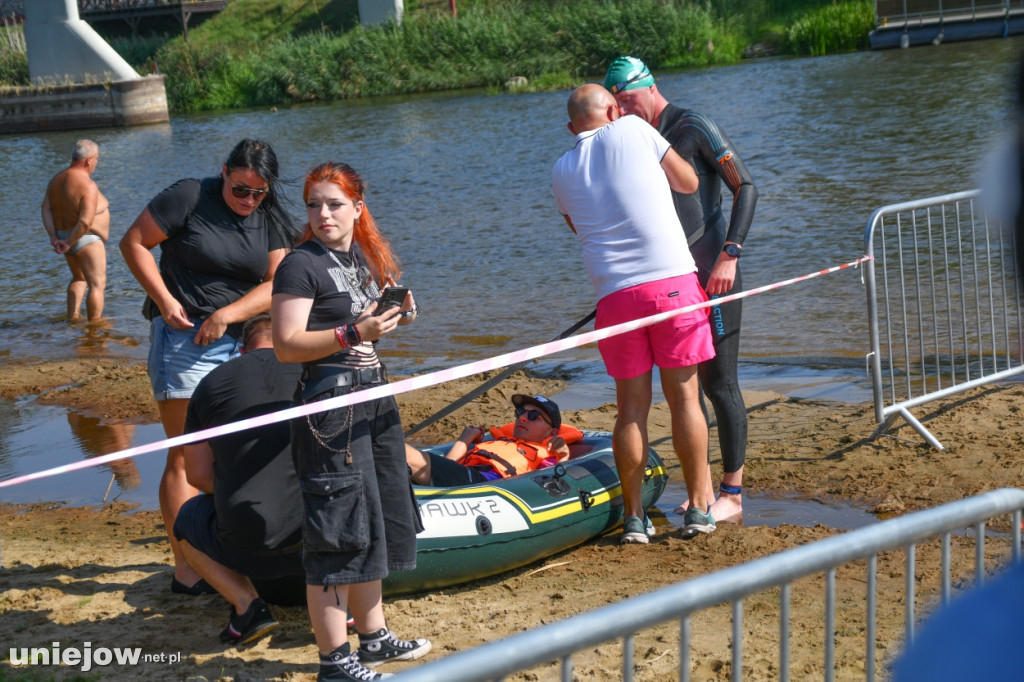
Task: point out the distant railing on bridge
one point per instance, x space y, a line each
133 12
112 5
888 12
108 6
17 7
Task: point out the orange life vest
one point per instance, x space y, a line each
508 456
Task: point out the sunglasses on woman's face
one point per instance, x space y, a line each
240 192
532 415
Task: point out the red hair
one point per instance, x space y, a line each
383 263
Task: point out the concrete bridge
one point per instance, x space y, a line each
146 13
371 12
134 12
908 23
78 80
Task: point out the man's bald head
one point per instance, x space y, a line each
590 107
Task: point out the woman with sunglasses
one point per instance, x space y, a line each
221 240
535 443
361 516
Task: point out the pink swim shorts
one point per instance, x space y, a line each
679 341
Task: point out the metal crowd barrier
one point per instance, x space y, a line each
558 641
944 305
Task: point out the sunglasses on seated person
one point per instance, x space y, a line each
532 415
240 192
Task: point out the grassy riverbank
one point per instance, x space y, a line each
279 52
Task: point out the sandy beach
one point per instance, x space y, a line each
101 575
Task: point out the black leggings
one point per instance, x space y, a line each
718 378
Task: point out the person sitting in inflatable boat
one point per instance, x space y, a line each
537 438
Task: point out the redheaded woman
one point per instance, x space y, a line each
361 516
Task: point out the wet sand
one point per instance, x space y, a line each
101 574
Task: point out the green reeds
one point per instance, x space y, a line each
13 59
278 52
141 51
13 68
549 43
841 27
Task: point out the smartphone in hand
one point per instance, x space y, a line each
391 297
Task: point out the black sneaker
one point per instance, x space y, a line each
382 646
249 626
343 666
200 588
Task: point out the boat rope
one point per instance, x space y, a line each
417 382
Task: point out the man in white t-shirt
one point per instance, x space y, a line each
613 188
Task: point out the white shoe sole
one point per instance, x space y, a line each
418 652
694 531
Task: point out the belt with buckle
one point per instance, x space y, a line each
322 378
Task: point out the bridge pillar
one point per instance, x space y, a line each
60 46
373 12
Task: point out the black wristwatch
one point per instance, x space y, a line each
733 250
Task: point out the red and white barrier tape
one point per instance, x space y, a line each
414 383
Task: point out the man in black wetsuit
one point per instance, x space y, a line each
716 246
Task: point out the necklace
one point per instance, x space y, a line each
347 278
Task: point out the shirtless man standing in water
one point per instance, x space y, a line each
75 216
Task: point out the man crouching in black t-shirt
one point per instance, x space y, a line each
248 524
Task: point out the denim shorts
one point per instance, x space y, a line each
360 513
197 524
176 364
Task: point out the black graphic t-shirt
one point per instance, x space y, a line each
212 256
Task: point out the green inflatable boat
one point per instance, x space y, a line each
479 530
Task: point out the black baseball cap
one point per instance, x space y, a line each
546 406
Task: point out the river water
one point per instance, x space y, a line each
460 182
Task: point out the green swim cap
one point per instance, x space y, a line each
627 73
